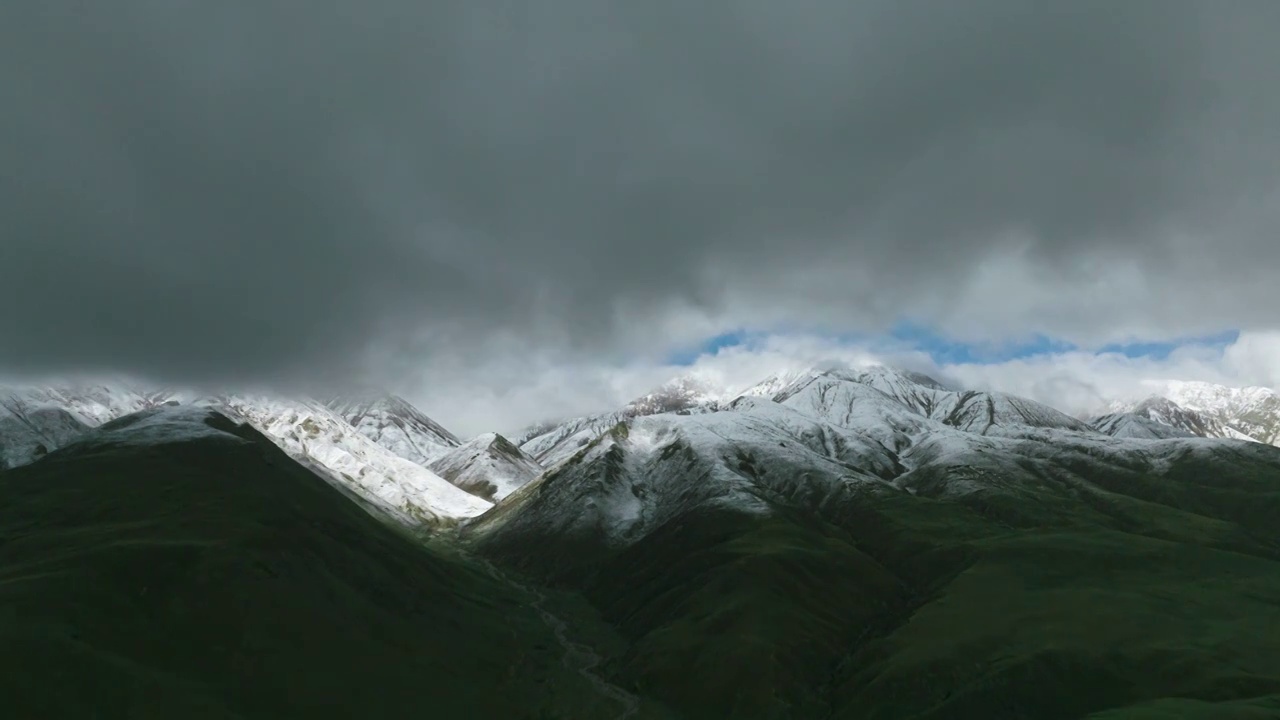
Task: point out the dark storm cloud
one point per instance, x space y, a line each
205 190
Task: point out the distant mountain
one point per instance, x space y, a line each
551 442
1210 410
1135 425
917 395
396 425
30 429
373 455
489 466
96 403
973 411
1157 417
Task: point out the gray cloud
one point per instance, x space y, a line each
221 191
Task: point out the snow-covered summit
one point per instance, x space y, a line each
821 441
778 381
94 403
969 410
489 466
36 420
395 424
1209 410
549 443
1138 425
683 393
1159 411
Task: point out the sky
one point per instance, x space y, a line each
507 210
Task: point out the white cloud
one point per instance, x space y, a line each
520 387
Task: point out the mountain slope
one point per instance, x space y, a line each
854 558
29 430
396 425
94 403
972 411
1251 411
489 466
551 443
1210 410
1158 418
311 431
1163 412
160 569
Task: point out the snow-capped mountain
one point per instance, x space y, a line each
1251 411
96 403
776 382
828 435
165 423
685 393
1209 410
35 420
1158 417
311 431
489 466
851 390
650 469
30 429
396 425
550 443
912 397
1134 425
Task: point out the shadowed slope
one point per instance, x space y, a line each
210 576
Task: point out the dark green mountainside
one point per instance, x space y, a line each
214 577
1075 582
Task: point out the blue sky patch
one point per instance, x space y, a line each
1162 350
910 336
711 346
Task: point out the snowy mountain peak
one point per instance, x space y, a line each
861 393
890 380
779 381
370 459
1210 410
489 466
397 425
682 393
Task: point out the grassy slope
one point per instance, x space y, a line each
211 580
1140 595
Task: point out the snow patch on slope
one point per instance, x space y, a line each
29 430
396 425
312 431
489 466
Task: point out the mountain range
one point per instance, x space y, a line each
832 542
397 456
